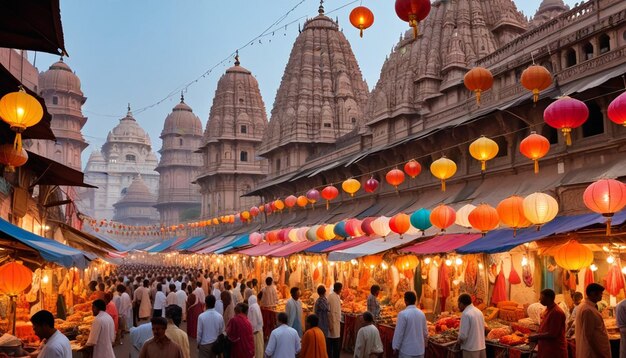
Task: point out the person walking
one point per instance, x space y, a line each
239 333
411 334
210 326
228 310
592 339
373 306
256 320
368 342
313 340
126 309
321 310
550 338
160 345
56 344
270 296
160 301
284 341
111 309
294 310
472 329
142 296
334 321
172 298
174 316
102 334
194 309
199 292
181 299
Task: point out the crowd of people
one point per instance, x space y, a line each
224 318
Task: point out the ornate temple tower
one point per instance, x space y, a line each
136 207
320 98
548 10
235 127
60 88
126 153
179 198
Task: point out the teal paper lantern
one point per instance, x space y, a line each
340 229
420 219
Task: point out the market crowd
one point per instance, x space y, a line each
224 317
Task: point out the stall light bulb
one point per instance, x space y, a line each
524 261
624 270
448 262
319 264
384 266
45 279
458 261
455 282
427 261
354 262
436 263
275 261
481 266
332 263
593 267
605 248
610 259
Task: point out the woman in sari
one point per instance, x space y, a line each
229 308
194 308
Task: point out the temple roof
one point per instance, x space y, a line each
60 77
548 10
137 193
182 121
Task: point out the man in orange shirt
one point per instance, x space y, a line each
313 340
551 336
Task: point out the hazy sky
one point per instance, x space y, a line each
141 51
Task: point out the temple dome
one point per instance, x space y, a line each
60 77
128 130
548 10
137 193
182 121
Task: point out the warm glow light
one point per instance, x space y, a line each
455 282
354 262
605 248
45 279
319 264
275 261
332 263
524 261
610 259
384 266
458 261
624 270
448 262
427 261
481 266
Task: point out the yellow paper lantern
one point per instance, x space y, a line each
573 256
329 232
408 262
540 208
280 205
351 186
483 149
443 168
20 110
372 261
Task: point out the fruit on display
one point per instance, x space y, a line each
514 339
444 324
497 333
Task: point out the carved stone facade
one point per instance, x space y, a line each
126 153
548 10
179 198
136 207
321 97
234 130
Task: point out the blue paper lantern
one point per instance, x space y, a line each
340 229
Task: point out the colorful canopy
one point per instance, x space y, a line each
319 247
441 243
346 244
214 244
190 242
240 241
262 249
162 246
292 248
371 247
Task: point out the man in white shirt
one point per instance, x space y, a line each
284 341
181 299
368 340
102 333
333 345
139 336
55 345
411 334
210 326
172 299
160 301
472 329
199 292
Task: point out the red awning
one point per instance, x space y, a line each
32 25
441 243
293 248
262 249
349 243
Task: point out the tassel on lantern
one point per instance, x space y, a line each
478 96
443 185
536 166
567 132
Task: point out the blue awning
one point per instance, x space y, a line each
503 240
240 241
190 242
162 246
48 249
319 248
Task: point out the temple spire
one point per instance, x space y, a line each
237 63
320 10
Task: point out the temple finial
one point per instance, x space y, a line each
320 10
182 97
237 63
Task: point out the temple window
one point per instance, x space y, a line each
243 156
605 43
55 100
570 57
243 129
131 158
588 51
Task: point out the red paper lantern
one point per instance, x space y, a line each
536 79
272 236
617 110
15 278
478 80
413 11
484 218
412 168
353 228
371 185
11 158
283 234
361 18
400 223
442 217
395 177
565 114
329 193
606 197
290 201
534 147
366 225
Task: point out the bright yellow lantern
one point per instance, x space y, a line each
443 168
351 186
573 256
280 205
540 208
20 110
483 149
329 232
408 262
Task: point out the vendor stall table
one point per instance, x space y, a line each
351 326
497 350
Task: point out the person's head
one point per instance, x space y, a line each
577 297
268 281
337 287
235 281
98 306
121 289
210 301
311 321
321 290
43 324
368 317
101 286
464 301
252 300
190 289
198 284
227 286
255 282
249 284
93 285
173 287
283 318
159 287
174 313
241 308
594 292
226 298
220 278
108 297
146 283
410 298
375 290
546 297
159 325
295 293
183 286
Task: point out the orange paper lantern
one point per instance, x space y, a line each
483 149
302 201
15 278
536 79
280 205
606 197
351 186
11 157
361 18
484 218
412 168
406 263
20 110
372 261
395 177
400 223
573 256
478 80
511 213
443 217
534 147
